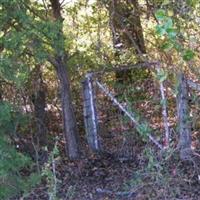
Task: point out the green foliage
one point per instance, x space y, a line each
166 28
144 130
5 113
49 172
29 36
154 173
161 75
192 3
12 162
188 55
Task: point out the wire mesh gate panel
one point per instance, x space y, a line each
109 107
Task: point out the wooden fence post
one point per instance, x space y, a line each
184 123
90 114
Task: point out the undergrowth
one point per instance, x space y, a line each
165 175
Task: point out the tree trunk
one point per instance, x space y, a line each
39 102
184 122
126 25
127 32
69 120
60 62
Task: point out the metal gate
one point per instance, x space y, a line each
120 116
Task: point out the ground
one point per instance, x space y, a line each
145 174
105 178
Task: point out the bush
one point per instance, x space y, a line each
12 162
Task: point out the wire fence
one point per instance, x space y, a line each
119 116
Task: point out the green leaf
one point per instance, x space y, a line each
160 30
171 33
192 3
167 46
143 129
188 55
168 23
160 14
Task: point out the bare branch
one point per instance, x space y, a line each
118 68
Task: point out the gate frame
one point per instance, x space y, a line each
90 111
